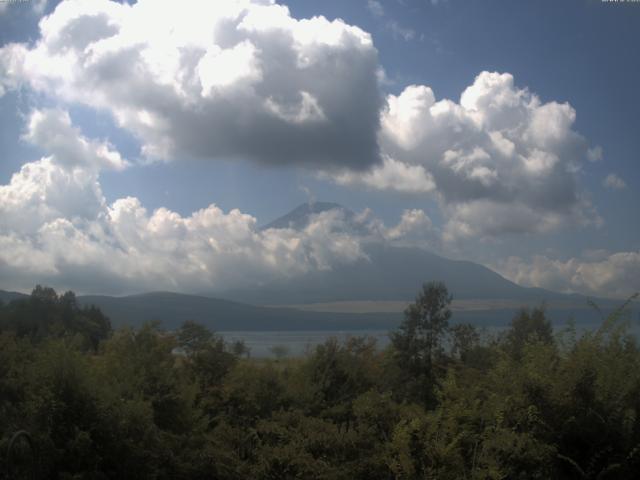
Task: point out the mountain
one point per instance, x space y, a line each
389 273
6 297
298 218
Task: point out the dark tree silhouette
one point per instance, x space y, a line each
418 342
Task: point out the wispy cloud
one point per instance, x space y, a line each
375 7
400 32
614 182
37 6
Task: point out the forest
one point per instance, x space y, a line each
80 400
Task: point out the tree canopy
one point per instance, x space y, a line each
441 402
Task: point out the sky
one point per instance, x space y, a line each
143 144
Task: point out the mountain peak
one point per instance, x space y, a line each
298 218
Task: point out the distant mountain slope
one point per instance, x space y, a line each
171 309
298 218
390 273
7 297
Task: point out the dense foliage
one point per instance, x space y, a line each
441 402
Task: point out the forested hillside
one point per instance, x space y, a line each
441 402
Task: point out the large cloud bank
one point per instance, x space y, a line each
245 79
212 79
500 160
57 227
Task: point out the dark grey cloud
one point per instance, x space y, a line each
239 80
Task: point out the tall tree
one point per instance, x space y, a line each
528 326
418 342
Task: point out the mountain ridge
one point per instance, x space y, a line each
298 218
389 273
171 309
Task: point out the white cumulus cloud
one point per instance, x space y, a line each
52 131
245 79
56 227
43 191
391 175
499 161
606 274
212 79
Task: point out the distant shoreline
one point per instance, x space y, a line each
398 306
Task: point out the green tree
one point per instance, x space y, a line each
528 326
44 314
279 351
417 344
339 373
464 339
193 337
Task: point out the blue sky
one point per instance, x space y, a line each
582 54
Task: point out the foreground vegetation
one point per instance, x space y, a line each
148 403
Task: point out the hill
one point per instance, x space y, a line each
6 297
389 273
172 309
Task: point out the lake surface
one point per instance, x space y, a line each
298 343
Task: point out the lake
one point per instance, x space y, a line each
299 343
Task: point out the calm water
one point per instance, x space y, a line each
297 343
